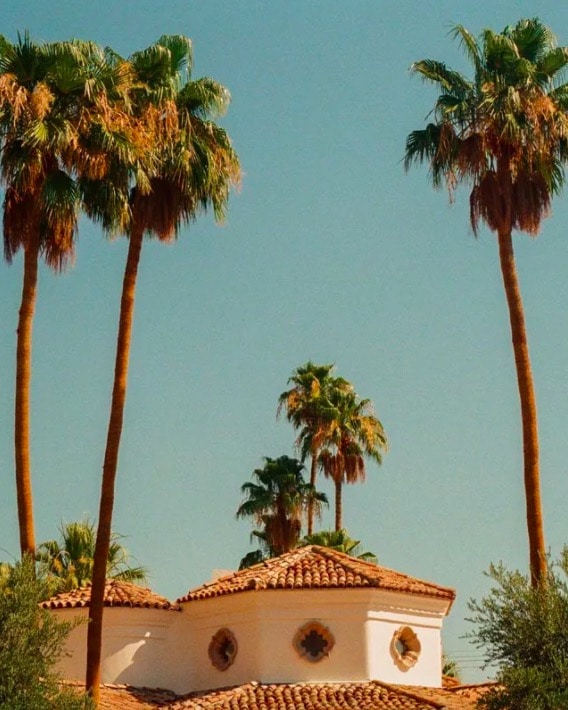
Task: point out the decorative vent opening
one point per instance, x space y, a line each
405 648
313 641
223 649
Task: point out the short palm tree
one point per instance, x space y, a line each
338 540
52 96
189 166
353 433
67 563
277 499
504 134
306 406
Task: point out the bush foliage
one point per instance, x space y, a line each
524 631
31 643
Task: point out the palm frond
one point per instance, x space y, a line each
204 97
180 53
470 46
422 145
438 73
553 62
532 38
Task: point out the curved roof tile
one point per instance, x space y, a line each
364 695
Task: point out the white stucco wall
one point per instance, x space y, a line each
191 639
264 623
158 648
340 611
387 614
136 645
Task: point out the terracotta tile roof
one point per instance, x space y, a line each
125 697
456 697
370 695
474 691
446 697
116 594
314 567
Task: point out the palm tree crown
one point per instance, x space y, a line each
504 133
308 408
68 563
353 433
277 500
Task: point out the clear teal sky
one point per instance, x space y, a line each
329 252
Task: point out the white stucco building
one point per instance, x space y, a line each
311 618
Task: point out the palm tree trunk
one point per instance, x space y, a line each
537 550
313 476
94 634
22 403
338 504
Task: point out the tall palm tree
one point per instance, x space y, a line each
306 406
338 540
504 134
277 499
189 167
68 563
51 96
353 433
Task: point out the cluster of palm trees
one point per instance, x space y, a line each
504 134
337 430
131 143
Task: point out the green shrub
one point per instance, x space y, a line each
524 631
31 643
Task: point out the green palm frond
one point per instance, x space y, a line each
438 73
559 96
422 145
553 63
204 97
252 558
341 541
60 197
500 53
532 39
68 563
470 47
106 203
180 54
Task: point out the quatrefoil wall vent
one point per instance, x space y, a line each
313 641
223 649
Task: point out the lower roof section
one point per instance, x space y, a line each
370 695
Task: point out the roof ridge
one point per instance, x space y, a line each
348 560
